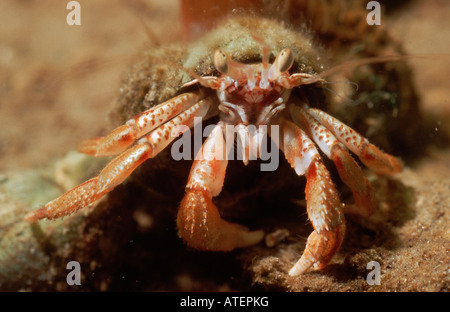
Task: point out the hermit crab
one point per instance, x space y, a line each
257 86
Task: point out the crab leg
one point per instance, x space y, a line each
120 167
298 79
349 171
323 204
199 222
124 136
369 154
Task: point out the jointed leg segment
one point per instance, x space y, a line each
370 155
349 171
124 136
323 204
120 167
324 208
199 222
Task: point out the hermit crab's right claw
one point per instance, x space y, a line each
199 222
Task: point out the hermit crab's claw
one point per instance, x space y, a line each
283 62
199 221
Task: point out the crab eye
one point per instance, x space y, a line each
221 61
284 60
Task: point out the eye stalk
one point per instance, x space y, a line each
283 62
221 61
225 65
235 70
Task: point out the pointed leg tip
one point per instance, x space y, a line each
294 272
300 268
89 146
36 215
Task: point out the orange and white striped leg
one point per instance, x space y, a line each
381 163
199 222
349 171
120 167
323 204
124 136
